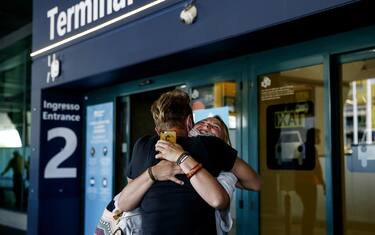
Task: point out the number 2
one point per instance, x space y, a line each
52 169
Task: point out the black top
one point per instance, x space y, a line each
169 208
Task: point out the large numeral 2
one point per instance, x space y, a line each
52 169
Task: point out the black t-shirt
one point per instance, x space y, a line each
169 208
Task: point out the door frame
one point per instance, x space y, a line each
324 51
228 70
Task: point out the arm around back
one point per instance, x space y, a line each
246 175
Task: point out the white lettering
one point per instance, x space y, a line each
51 15
118 5
95 10
60 106
61 24
109 7
82 13
70 13
61 117
101 10
80 10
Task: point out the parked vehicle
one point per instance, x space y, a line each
289 146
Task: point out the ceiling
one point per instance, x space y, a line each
14 14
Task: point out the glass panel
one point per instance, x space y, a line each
358 79
15 121
218 99
292 199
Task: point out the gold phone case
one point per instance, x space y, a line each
168 136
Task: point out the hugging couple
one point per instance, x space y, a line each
184 187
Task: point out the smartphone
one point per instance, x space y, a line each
168 136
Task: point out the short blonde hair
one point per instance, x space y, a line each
171 110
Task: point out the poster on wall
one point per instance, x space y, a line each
291 136
99 163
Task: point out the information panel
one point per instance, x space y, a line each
291 136
61 152
60 163
99 163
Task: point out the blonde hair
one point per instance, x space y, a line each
171 110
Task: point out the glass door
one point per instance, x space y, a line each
219 99
292 155
358 134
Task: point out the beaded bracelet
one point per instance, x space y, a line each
194 170
149 170
182 158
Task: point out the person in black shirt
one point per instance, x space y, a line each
172 202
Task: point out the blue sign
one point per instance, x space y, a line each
99 163
60 163
291 136
362 158
223 112
60 160
61 20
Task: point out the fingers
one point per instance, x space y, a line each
177 170
162 146
177 181
162 143
159 156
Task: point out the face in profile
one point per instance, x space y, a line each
211 126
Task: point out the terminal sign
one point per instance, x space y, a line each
63 21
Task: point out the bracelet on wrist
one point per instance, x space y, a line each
194 170
152 177
183 156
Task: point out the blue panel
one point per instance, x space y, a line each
60 163
162 33
47 17
59 167
59 217
360 160
99 163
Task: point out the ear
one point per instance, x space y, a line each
189 122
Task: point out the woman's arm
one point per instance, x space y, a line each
247 177
203 182
134 191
